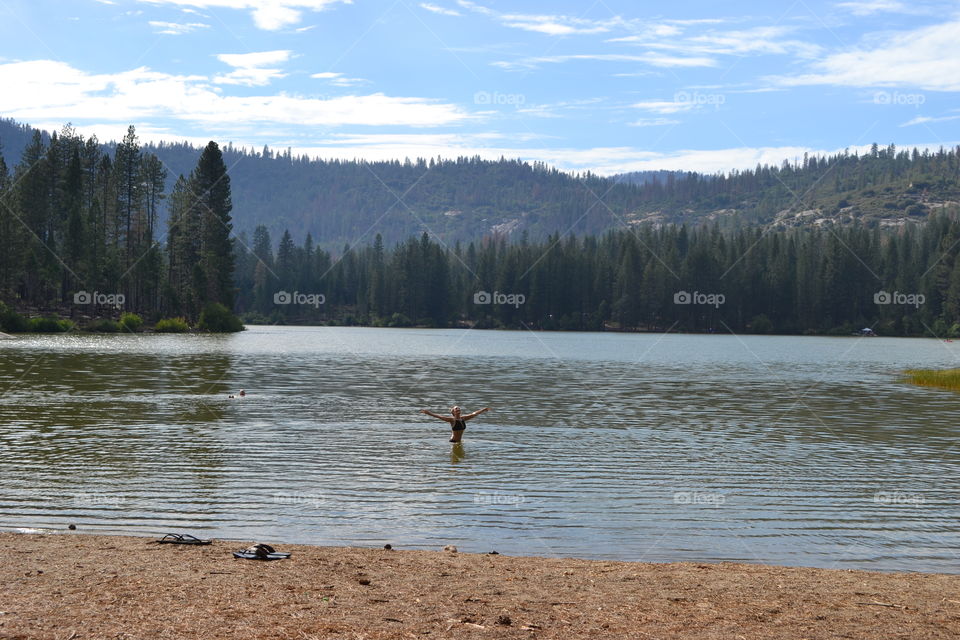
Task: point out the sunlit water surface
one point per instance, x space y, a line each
786 450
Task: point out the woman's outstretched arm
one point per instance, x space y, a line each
476 413
437 415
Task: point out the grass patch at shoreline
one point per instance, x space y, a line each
942 378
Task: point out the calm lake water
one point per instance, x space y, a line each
786 450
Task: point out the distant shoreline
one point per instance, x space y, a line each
474 328
96 585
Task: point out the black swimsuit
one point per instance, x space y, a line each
459 424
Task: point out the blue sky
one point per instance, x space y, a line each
604 85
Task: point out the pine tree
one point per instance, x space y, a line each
210 185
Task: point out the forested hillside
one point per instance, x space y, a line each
882 187
84 235
347 202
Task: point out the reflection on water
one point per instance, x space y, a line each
802 451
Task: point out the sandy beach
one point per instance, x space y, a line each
73 586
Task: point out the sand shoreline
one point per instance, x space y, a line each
98 586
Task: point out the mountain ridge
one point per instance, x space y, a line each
347 202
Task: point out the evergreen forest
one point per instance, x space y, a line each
93 232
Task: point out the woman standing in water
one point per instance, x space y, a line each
457 421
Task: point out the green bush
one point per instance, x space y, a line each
130 322
761 324
216 318
172 325
12 321
104 325
49 325
399 320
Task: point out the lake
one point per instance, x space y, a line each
786 450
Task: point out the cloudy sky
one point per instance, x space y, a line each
605 85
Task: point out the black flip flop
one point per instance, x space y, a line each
181 538
261 552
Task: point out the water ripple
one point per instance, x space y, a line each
800 451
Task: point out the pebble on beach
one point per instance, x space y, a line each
72 527
450 548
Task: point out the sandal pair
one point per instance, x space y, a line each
261 552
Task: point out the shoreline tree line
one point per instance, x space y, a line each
806 280
84 240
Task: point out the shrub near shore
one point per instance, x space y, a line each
172 325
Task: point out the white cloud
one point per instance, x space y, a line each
270 15
252 60
658 60
653 122
925 58
251 69
869 7
928 119
252 77
650 33
273 17
553 25
554 110
652 59
765 39
664 106
176 29
636 74
338 79
699 21
440 10
472 6
757 40
51 90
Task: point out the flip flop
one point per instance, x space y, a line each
260 552
181 538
